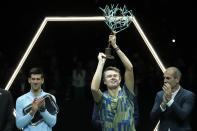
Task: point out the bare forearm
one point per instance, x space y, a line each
97 77
129 77
126 62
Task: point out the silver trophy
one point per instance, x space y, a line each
117 19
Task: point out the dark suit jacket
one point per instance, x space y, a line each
177 116
7 119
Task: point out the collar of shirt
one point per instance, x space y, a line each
41 93
174 94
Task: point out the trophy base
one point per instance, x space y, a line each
110 57
108 53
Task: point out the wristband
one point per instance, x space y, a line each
116 49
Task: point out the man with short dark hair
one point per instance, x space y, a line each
35 98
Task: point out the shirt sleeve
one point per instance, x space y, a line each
128 94
170 102
21 119
49 118
162 109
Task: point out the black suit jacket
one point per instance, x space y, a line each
7 119
177 116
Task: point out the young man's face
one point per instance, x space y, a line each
36 81
112 79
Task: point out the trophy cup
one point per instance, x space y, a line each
117 19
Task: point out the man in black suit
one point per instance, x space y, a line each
173 105
7 119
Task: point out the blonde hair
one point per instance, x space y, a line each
111 68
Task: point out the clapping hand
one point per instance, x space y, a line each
167 91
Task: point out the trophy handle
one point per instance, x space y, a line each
108 52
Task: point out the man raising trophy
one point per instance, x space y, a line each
115 108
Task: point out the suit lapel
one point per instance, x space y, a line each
178 95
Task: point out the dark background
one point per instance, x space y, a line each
61 43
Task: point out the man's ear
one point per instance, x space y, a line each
42 80
120 78
177 79
29 80
104 81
